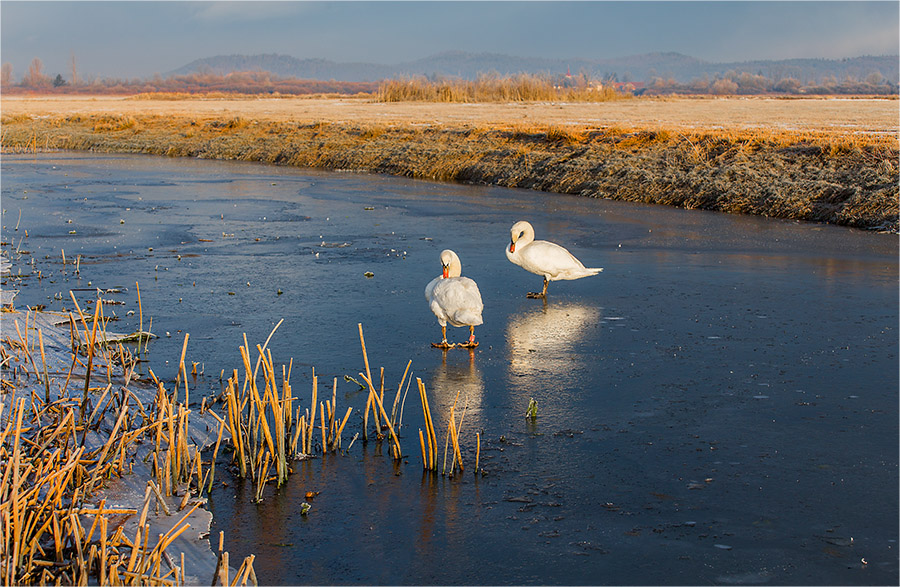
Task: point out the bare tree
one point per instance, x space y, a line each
6 75
74 63
35 77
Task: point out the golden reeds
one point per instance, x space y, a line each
58 451
376 398
430 463
518 88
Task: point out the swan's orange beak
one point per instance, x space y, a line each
512 247
446 272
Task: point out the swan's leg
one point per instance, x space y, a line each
444 344
471 344
541 295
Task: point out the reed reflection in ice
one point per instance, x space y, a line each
458 372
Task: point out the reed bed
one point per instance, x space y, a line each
267 433
268 429
265 430
519 88
61 445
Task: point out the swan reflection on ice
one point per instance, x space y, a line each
543 341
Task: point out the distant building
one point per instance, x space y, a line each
631 87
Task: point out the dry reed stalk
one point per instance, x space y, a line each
300 432
394 419
422 444
87 373
429 427
140 318
212 465
234 420
245 571
332 412
324 440
337 441
362 342
262 476
477 450
278 416
447 445
454 436
83 320
182 370
24 343
44 364
287 401
312 417
396 441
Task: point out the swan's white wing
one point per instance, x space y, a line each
551 260
460 301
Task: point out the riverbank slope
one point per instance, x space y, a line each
833 161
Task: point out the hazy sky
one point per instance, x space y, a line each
138 39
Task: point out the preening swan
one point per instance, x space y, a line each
454 299
544 258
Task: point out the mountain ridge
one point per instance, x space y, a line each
642 67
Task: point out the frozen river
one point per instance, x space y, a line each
720 405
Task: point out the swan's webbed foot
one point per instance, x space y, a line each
539 296
443 345
467 345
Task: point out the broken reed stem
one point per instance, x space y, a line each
90 361
183 371
140 318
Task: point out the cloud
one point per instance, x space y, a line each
216 13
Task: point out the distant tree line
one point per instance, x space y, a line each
743 83
248 82
522 87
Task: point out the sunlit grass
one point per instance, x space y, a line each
521 88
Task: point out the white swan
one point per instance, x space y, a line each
454 299
544 258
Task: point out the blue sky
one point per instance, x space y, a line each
138 39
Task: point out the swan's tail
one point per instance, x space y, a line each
579 273
467 318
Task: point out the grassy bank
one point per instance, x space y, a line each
839 178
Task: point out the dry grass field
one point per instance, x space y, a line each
823 160
863 115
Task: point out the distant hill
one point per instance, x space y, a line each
643 68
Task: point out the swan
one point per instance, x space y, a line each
544 258
454 299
